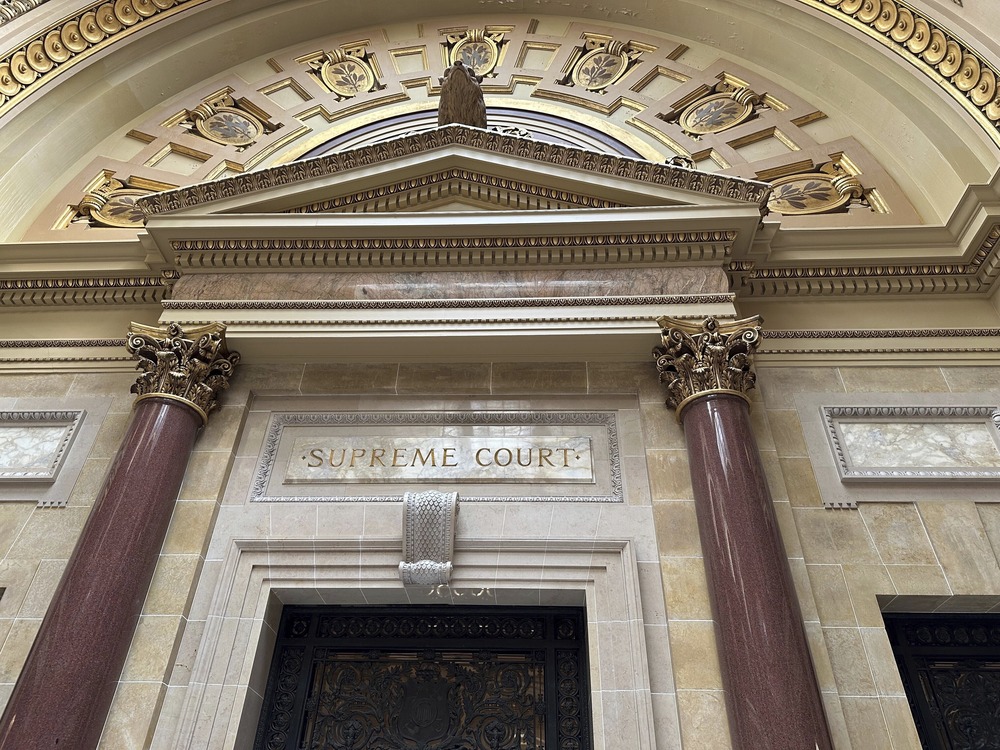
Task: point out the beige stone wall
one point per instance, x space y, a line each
923 556
932 555
35 543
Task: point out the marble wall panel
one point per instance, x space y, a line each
429 285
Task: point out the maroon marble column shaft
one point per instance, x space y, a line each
65 689
771 688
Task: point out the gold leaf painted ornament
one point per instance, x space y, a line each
225 124
477 51
818 192
346 75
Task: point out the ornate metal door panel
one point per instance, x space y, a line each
950 665
427 678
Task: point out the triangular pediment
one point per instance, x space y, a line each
471 192
458 164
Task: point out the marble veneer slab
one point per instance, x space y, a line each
901 447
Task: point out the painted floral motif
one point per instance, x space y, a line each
348 78
232 128
811 193
599 69
714 115
477 56
121 211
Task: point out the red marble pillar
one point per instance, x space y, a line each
772 695
65 689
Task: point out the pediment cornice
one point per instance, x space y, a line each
292 185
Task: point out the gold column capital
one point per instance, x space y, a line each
191 366
697 359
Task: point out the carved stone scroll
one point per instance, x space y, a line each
428 537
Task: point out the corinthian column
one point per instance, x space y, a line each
771 690
65 689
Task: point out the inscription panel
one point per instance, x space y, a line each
412 457
486 456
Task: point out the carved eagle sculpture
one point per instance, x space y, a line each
461 98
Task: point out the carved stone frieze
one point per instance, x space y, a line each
191 366
697 359
428 537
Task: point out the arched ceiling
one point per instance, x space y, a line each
814 86
906 125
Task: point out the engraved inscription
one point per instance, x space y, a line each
464 458
486 456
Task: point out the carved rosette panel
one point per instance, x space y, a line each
479 50
191 366
711 357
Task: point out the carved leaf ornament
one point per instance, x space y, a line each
175 365
712 357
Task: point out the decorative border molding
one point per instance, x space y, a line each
955 65
68 420
833 415
873 333
475 252
280 420
978 275
92 290
58 343
36 61
736 188
11 9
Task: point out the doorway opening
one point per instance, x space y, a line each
428 678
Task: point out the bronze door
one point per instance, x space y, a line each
427 678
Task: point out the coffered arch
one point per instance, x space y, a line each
833 82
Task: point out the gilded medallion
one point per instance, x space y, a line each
809 193
714 114
478 55
347 76
230 127
599 69
120 210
